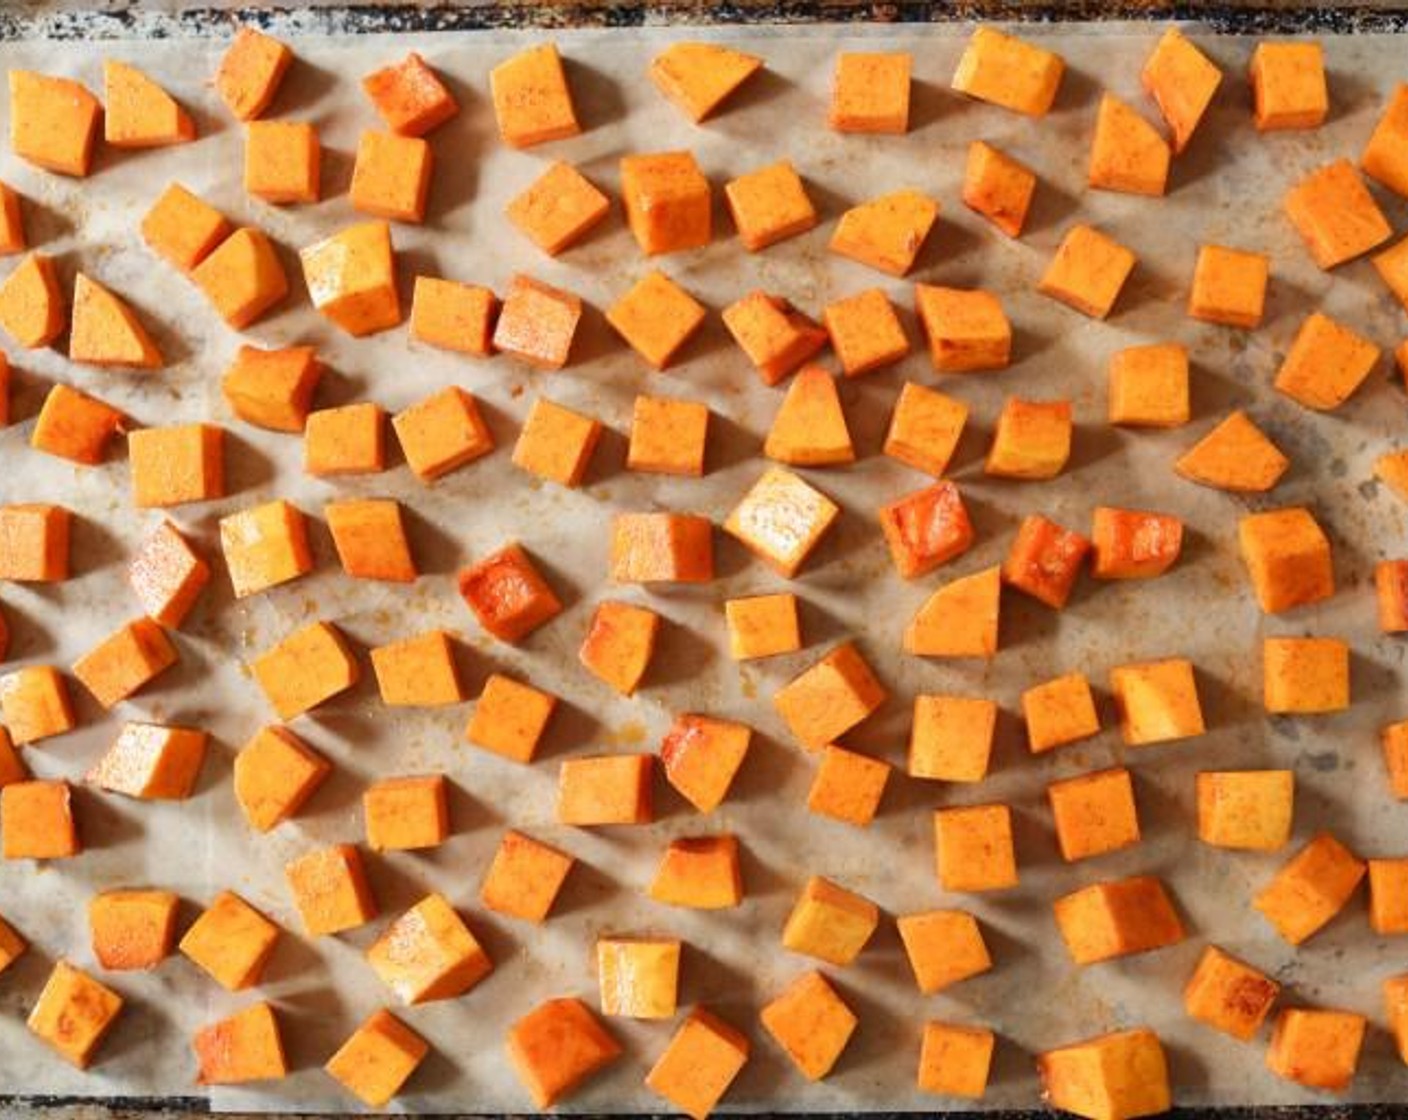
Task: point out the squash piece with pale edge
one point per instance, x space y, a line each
1182 81
809 429
1007 71
1236 455
1127 154
242 277
699 77
887 232
138 113
246 1046
53 122
32 309
959 619
106 332
1386 155
250 72
1116 1076
351 278
1391 468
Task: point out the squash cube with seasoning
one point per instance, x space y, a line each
887 232
1007 71
34 704
967 328
264 546
507 594
700 1062
74 426
1127 154
391 176
125 662
345 441
830 923
769 205
954 1060
151 762
308 668
1395 990
1094 813
606 790
1326 363
1116 1076
37 821
32 308
944 947
812 1024
1315 1048
1391 590
960 619
273 388
809 429
1288 558
351 278
781 520
532 101
132 930
53 122
925 428
1392 267
442 433
1311 888
167 575
1246 809
1149 386
667 202
283 161
699 77
1088 271
182 228
975 851
1133 543
668 436
1383 157
243 1047
1157 701
558 209
537 323
951 738
1288 86
1388 895
1045 560
12 945
429 954
330 889
1182 81
998 187
865 332
12 770
406 814
12 235
510 718
378 1059
105 331
409 96
74 1012
1117 918
656 318
1058 712
453 316
1393 741
926 529
557 1046
870 92
524 878
1336 215
250 72
231 941
1229 995
556 443
848 786
619 644
418 672
701 755
274 774
699 873
1229 286
370 537
828 699
762 626
175 465
1032 439
242 277
639 976
774 335
1305 675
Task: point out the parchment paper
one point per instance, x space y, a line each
1225 189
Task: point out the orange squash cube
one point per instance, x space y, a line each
1088 271
406 814
1392 267
811 1023
346 440
1288 558
1229 286
74 426
132 930
887 232
701 1061
12 770
1149 386
967 329
1396 1005
699 873
1288 86
1391 587
1318 1049
442 433
12 945
524 878
273 388
1305 675
330 889
809 429
954 1060
537 323
619 644
1157 701
246 1046
1094 813
1133 544
1045 560
998 187
418 672
250 72
351 278
556 443
1228 995
510 718
762 626
35 705
104 331
656 318
507 594
558 209
1127 154
870 92
774 335
848 786
172 466
1394 743
926 529
1336 215
309 667
1117 918
557 1046
264 546
828 699
167 575
274 775
1388 895
37 821
242 277
151 762
1007 71
667 202
1032 439
282 161
1310 889
532 102
453 316
391 176
410 97
32 308
865 332
125 662
12 237
429 954
781 520
231 941
1116 1076
370 537
951 738
1326 363
184 229
380 1056
74 1011
605 790
944 947
1383 157
1246 809
668 436
1182 81
769 205
925 428
53 122
699 77
639 976
701 755
1058 712
975 851
830 923
960 619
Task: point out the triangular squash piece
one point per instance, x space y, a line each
959 619
1128 154
138 113
1182 80
809 429
31 303
106 332
1392 470
698 77
1235 455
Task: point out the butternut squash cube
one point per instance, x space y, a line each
774 335
769 205
5 380
391 176
12 945
870 92
701 1061
701 755
1394 742
809 429
370 537
12 769
639 976
1391 588
656 318
138 113
865 332
1336 215
264 546
1288 558
1157 701
1388 895
558 209
418 672
1182 81
282 161
32 308
699 873
944 947
1310 889
524 878
309 667
410 97
781 520
132 930
975 851
330 889
926 529
351 278
1383 157
406 814
1396 1005
1391 468
1236 455
231 941
605 789
1088 271
1229 286
346 440
242 277
510 718
1116 1076
1288 86
1127 154
1318 1049
925 428
151 762
668 436
537 323
106 332
698 78
828 699
507 594
667 202
53 122
1246 809
960 619
37 821
556 443
167 575
34 703
125 662
557 1046
12 236
1094 813
273 388
1058 712
848 786
250 72
1305 675
1392 267
1228 995
1149 386
1326 363
1010 72
379 1058
182 228
886 232
74 426
1117 918
429 954
951 738
453 316
967 329
619 643
246 1046
172 466
74 1011
762 626
275 774
442 433
954 1060
830 923
811 1023
532 101
1133 544
1032 439
1045 560
998 187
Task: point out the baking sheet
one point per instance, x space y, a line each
1225 189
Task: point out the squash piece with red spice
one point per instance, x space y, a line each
409 96
699 1064
453 316
558 208
167 574
250 72
242 277
34 704
429 954
37 821
1045 560
809 429
848 786
126 661
1032 439
330 889
1088 271
391 176
274 774
835 694
264 546
1317 1048
175 465
524 878
781 520
769 205
1228 995
1336 215
532 101
308 668
667 202
442 433
32 307
351 278
507 594
960 619
1288 558
619 644
510 718
1117 918
887 232
74 1013
1288 86
557 1046
998 187
74 426
53 122
105 331
537 323
701 755
1004 70
183 228
133 930
1133 544
246 1046
661 548
370 537
272 388
811 1023
774 335
870 92
556 443
605 790
967 328
1127 154
1182 80
699 77
231 941
656 317
927 528
151 762
406 814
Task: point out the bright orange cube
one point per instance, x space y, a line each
775 336
1246 809
1182 81
409 96
308 668
769 205
1157 701
243 1047
1088 271
53 122
557 1046
537 323
351 278
1032 439
406 814
1117 918
967 329
282 161
1007 71
532 101
559 208
167 575
975 850
231 941
183 228
865 332
699 77
1045 560
830 923
951 738
37 821
273 388
701 1061
380 1056
781 520
870 92
1058 712
944 947
1149 386
556 443
274 774
668 436
954 1060
442 433
250 72
418 672
176 465
1133 544
667 202
429 954
370 537
1127 154
926 529
848 786
887 232
74 426
330 889
998 187
74 1012
507 594
453 316
1336 215
1094 813
524 878
242 277
391 176
699 873
1311 888
1228 995
828 699
510 718
125 662
1318 1049
1229 286
605 790
132 930
1326 363
701 755
811 1023
346 440
264 546
619 644
1288 86
656 317
1288 558
34 704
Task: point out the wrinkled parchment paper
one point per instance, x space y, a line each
1225 189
